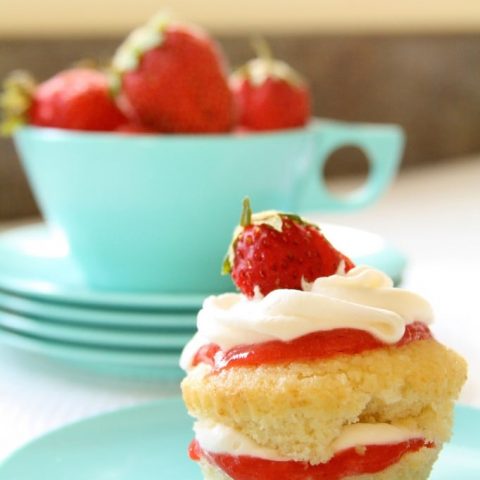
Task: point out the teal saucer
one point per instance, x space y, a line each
35 264
85 315
366 248
105 359
96 336
150 442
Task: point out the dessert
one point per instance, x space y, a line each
338 377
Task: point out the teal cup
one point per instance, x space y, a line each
156 213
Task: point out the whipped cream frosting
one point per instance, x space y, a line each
363 298
218 438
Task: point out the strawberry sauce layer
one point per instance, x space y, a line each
352 461
314 346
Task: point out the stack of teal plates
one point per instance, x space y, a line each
46 307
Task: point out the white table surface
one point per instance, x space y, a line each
432 214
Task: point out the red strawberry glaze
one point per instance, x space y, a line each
352 461
314 346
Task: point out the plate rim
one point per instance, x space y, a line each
106 317
85 355
95 335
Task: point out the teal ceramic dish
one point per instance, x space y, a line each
155 213
91 336
150 442
99 317
39 267
99 359
38 277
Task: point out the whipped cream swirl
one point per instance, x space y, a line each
363 298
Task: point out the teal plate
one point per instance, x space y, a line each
37 265
113 318
101 357
93 335
150 442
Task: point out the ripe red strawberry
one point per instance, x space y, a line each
171 77
272 250
270 95
77 99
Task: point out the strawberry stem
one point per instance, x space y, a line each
246 217
262 49
15 101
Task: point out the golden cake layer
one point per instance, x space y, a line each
298 409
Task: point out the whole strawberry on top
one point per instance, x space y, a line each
77 99
269 94
170 77
272 250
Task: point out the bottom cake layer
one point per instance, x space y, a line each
412 466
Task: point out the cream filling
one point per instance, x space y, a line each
363 299
217 438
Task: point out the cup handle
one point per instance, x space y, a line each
383 146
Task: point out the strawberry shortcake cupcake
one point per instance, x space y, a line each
318 369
